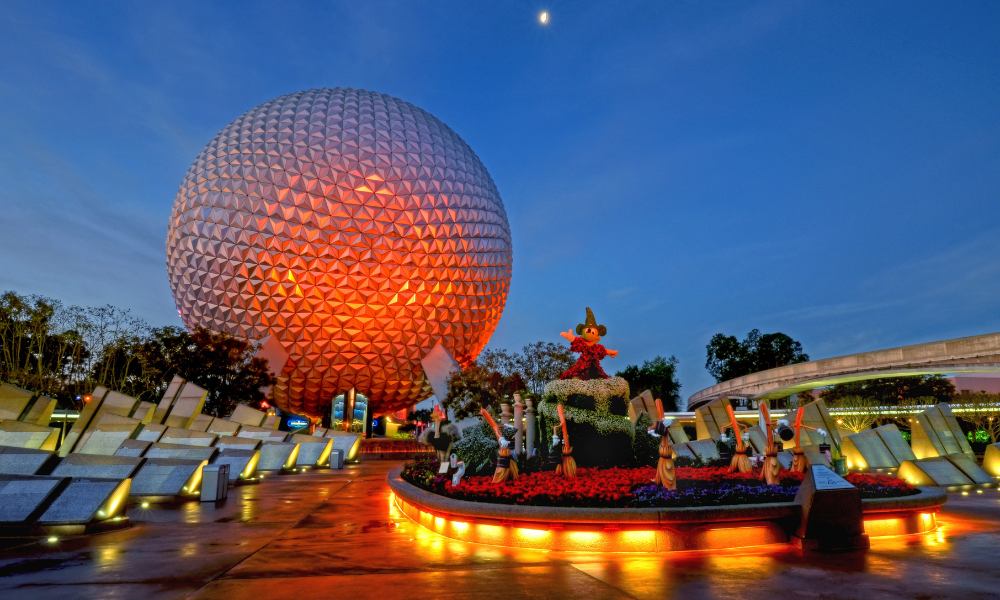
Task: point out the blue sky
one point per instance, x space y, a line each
830 170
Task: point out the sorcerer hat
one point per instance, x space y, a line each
591 322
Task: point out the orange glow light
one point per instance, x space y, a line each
900 524
589 539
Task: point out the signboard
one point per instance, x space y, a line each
296 422
826 479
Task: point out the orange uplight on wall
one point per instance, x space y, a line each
355 229
908 523
592 538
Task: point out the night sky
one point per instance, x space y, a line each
830 170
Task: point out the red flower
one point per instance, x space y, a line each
613 487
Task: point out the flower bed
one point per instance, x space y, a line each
395 447
632 487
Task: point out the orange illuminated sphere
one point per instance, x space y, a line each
356 229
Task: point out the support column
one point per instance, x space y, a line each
505 416
518 424
349 399
530 424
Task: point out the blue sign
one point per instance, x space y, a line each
297 423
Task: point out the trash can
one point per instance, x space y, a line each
336 459
214 483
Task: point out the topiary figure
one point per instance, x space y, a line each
595 405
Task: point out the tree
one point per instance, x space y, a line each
115 336
894 390
25 324
41 346
65 351
421 415
501 361
472 389
224 365
541 362
119 367
902 412
659 376
862 413
982 411
728 358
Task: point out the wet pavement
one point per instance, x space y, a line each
334 535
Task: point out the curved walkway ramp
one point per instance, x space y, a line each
975 354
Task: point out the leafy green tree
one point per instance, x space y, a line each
118 366
41 346
659 376
224 365
530 369
728 358
477 387
541 362
65 351
982 412
894 390
501 361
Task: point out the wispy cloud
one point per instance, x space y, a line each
967 272
621 292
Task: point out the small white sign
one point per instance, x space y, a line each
826 479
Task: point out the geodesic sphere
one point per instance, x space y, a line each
353 227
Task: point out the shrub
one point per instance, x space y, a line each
477 449
645 448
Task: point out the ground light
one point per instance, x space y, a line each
614 540
638 533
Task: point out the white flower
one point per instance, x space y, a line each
555 440
783 422
821 431
723 438
598 389
504 443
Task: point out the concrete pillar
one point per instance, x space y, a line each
505 416
530 422
518 424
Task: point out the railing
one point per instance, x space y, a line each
752 415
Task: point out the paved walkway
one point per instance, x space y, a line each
332 535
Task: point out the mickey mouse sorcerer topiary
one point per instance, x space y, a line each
595 405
